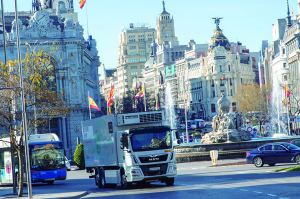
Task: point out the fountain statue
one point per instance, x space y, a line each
226 125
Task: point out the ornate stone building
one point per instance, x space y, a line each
199 73
53 26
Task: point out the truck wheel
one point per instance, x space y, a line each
124 183
170 181
100 179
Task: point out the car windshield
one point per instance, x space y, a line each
290 146
47 157
151 140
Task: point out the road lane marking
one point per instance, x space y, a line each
259 192
272 195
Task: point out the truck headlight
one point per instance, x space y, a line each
172 169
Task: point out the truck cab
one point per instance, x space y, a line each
149 155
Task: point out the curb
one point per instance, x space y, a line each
76 197
85 193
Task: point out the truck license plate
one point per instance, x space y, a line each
154 168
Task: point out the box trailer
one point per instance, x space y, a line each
130 148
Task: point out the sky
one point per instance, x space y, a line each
249 22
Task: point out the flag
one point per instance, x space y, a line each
82 3
110 99
287 92
141 93
93 104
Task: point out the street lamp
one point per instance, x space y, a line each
24 119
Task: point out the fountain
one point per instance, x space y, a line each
277 109
226 125
169 107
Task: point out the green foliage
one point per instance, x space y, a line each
79 156
289 169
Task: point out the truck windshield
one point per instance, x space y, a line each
151 140
47 157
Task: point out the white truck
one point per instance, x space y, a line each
130 148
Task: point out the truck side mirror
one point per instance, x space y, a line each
178 141
178 137
124 141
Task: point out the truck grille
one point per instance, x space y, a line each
158 158
155 169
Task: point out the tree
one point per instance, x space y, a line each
150 101
253 101
126 103
79 156
252 97
40 92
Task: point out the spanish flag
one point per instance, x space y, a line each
93 104
110 99
141 93
287 91
82 3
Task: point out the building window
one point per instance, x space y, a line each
222 82
285 77
213 108
230 82
241 80
233 106
213 93
229 68
284 65
212 83
221 69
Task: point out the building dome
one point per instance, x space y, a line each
218 38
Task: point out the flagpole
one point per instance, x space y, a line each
145 105
90 112
87 21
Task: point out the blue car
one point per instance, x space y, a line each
278 152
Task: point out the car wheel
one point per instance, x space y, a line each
258 162
170 181
297 159
50 182
271 165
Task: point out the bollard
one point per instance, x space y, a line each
214 157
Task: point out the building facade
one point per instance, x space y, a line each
54 27
134 50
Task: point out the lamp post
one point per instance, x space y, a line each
24 119
185 112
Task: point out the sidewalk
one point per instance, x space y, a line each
6 192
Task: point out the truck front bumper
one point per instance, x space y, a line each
152 172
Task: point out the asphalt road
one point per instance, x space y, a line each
232 179
229 180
